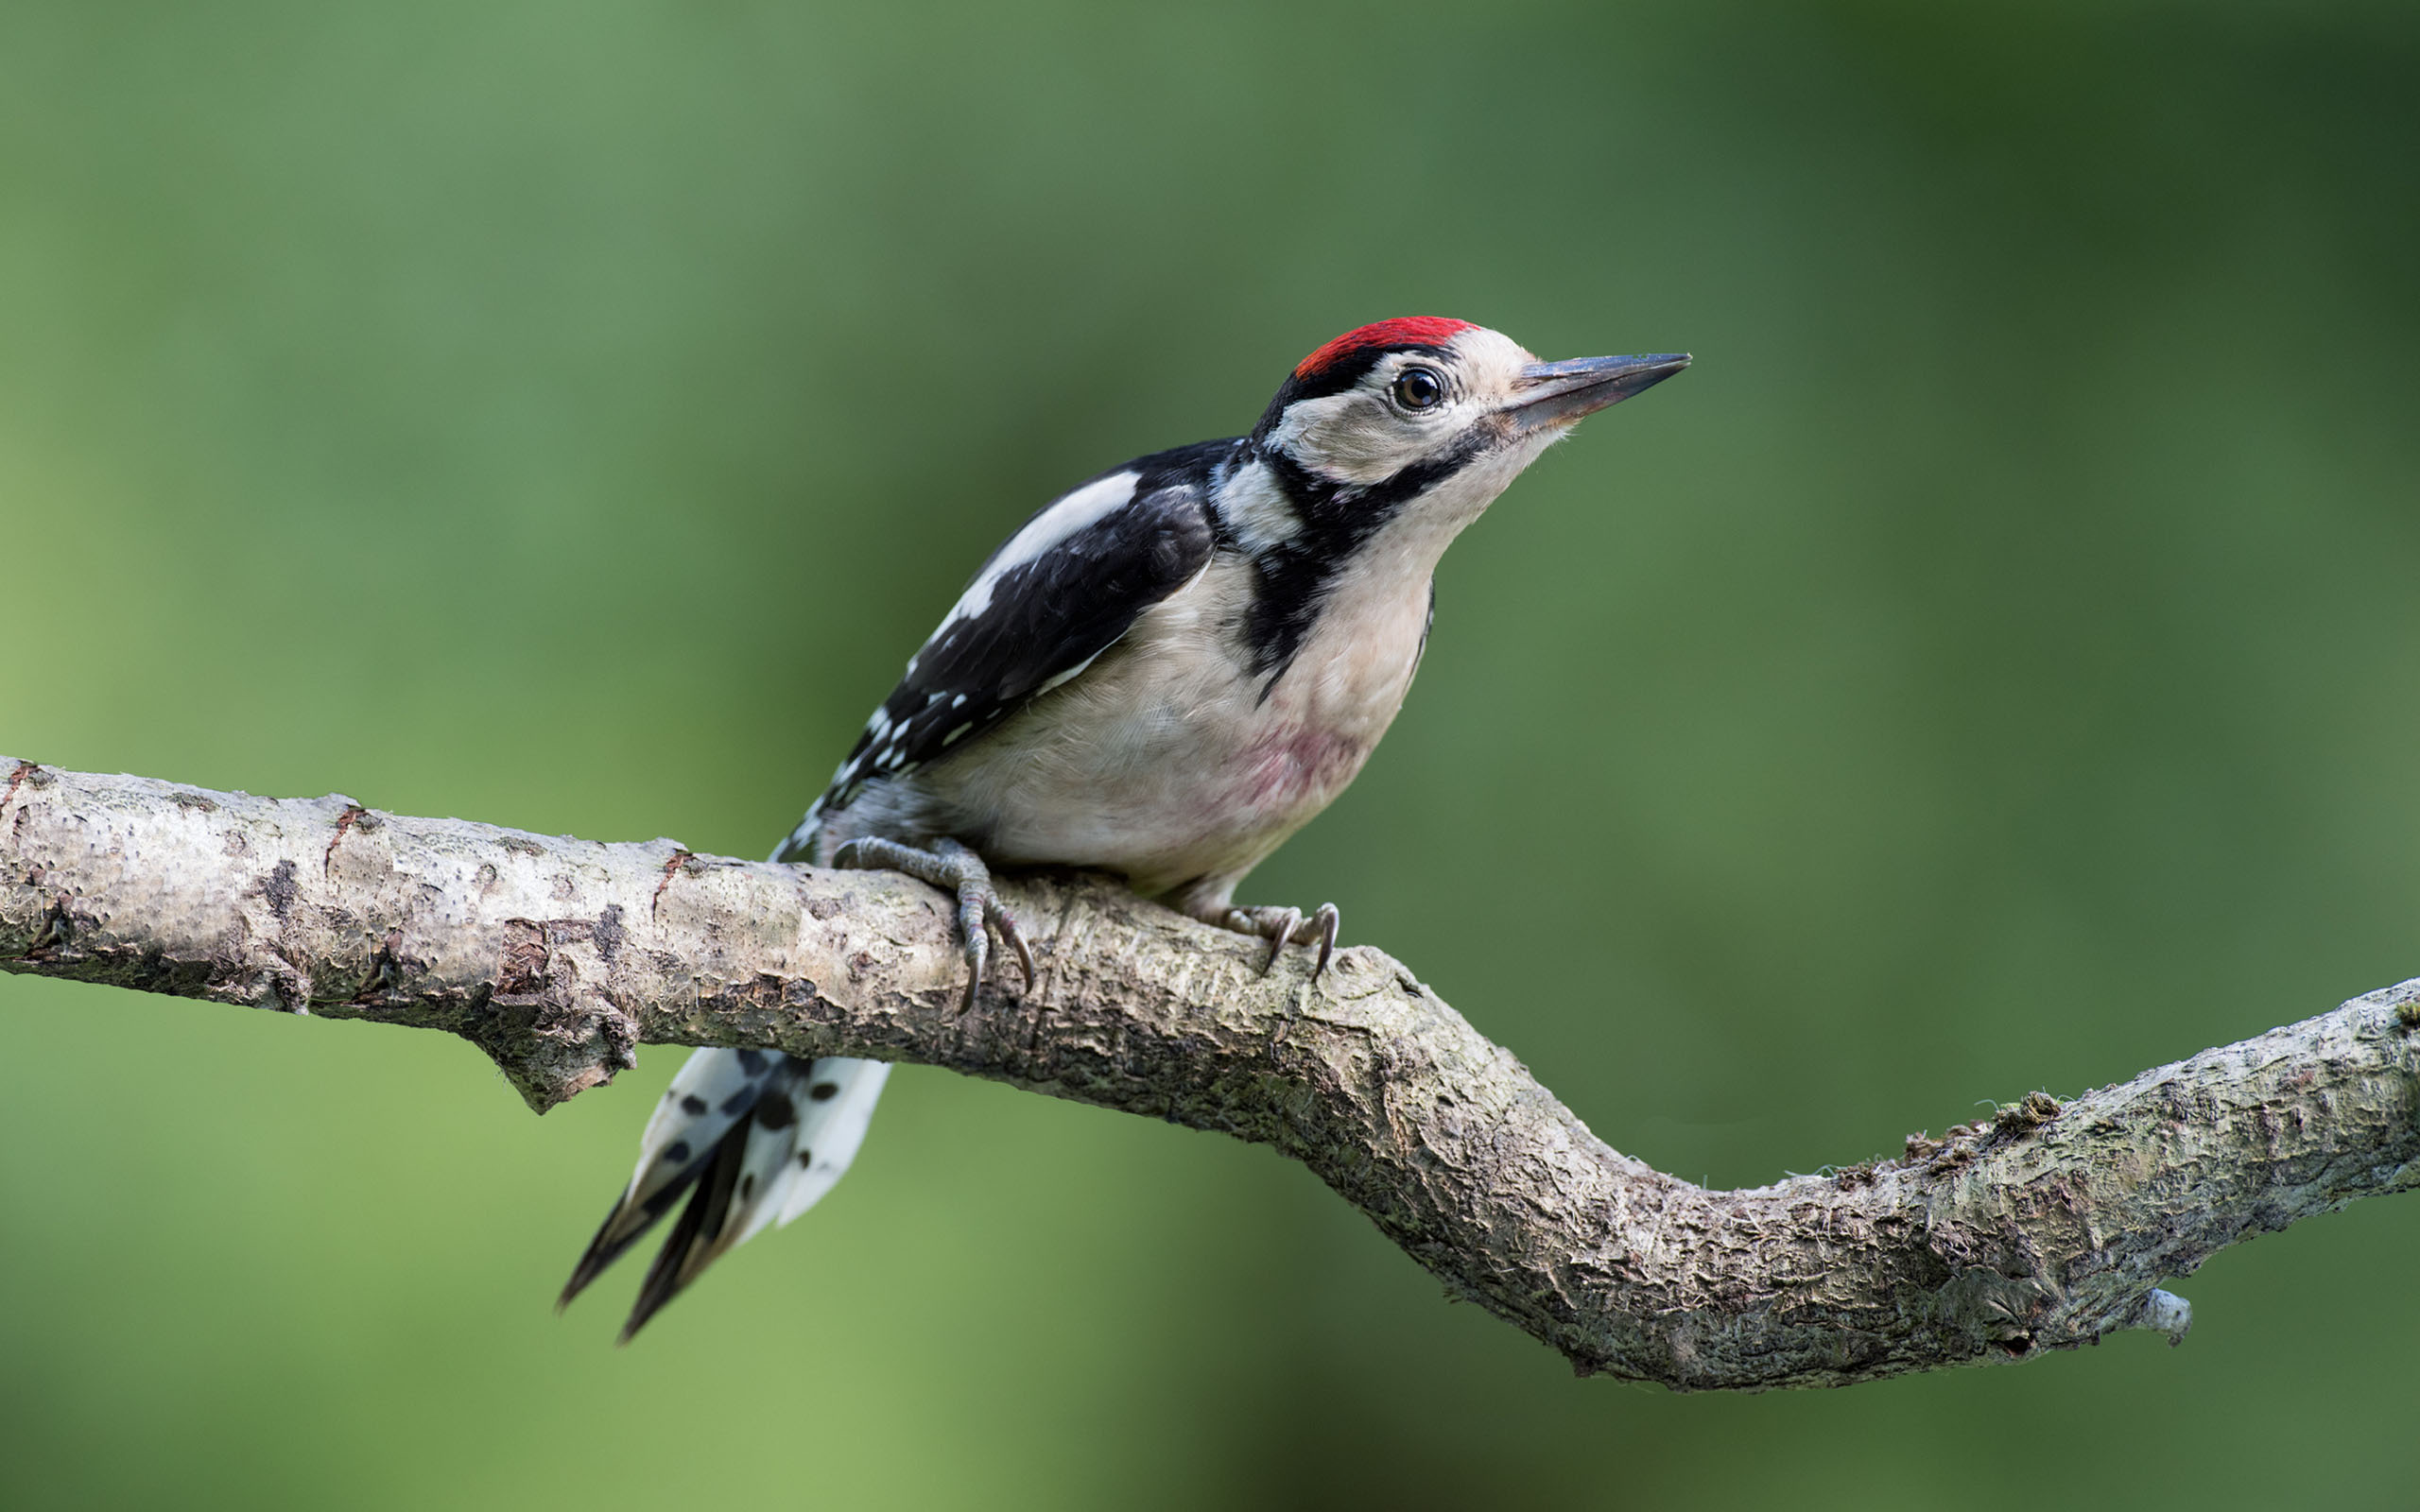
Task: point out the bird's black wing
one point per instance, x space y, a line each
1054 596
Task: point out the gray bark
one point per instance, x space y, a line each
2043 1226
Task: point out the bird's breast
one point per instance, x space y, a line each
1169 759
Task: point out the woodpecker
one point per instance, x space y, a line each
1164 673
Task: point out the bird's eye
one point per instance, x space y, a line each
1419 388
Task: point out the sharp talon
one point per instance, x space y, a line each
1006 923
957 869
1328 919
1286 926
1281 922
979 954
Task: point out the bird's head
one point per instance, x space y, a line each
1379 448
1415 400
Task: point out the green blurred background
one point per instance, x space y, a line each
1992 667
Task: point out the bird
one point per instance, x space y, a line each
1164 673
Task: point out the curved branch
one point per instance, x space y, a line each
2042 1228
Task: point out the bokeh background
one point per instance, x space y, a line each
1992 667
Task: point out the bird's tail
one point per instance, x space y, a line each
754 1138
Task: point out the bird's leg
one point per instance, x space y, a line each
954 868
1282 927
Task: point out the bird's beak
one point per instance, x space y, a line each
1557 393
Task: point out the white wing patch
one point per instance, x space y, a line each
1064 517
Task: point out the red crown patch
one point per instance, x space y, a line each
1410 331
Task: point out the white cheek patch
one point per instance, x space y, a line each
1339 436
1357 437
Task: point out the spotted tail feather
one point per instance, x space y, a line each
754 1139
713 1089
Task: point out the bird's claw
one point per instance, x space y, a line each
957 869
1282 927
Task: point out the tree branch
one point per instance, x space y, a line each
2042 1228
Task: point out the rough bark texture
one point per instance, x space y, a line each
2042 1228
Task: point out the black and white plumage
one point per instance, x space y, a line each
1053 596
752 1138
1163 673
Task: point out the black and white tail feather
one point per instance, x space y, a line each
754 1139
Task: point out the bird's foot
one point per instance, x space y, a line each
1282 927
954 868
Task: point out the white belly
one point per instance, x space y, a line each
1164 762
